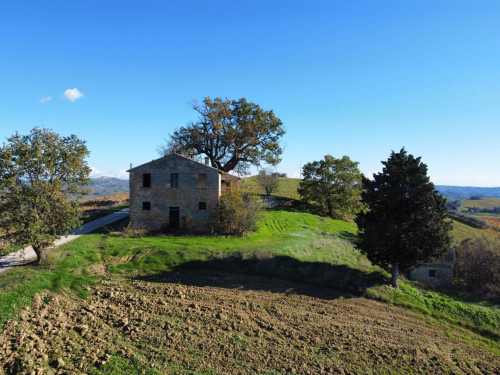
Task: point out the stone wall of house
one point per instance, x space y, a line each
433 274
439 271
163 196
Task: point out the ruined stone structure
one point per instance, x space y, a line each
439 271
175 192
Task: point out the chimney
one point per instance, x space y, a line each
207 160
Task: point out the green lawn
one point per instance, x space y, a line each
291 245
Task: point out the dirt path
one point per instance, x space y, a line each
27 254
231 324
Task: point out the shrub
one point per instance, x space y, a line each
188 224
477 264
237 214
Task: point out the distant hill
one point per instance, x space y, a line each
101 186
466 192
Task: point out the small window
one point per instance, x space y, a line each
146 205
432 273
174 180
202 205
202 180
146 180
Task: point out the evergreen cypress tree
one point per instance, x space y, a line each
405 223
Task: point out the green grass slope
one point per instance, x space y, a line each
287 187
462 232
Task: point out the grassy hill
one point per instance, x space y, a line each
486 203
102 186
287 187
461 232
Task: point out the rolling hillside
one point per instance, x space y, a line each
103 186
487 203
287 187
293 297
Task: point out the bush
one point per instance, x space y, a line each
477 264
188 224
237 214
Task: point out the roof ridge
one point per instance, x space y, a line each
187 158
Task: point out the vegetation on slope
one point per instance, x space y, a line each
462 232
290 245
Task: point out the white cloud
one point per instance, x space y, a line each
122 173
72 94
94 172
45 99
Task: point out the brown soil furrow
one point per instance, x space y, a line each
233 324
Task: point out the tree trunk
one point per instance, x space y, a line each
41 255
395 275
329 208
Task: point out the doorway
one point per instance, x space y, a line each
174 217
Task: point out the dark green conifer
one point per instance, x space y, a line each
405 222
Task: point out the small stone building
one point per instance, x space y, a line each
175 192
439 271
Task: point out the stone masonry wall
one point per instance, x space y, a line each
186 196
443 274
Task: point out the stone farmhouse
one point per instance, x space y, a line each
175 192
439 271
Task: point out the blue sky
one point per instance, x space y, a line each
356 78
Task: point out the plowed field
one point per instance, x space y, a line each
213 322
